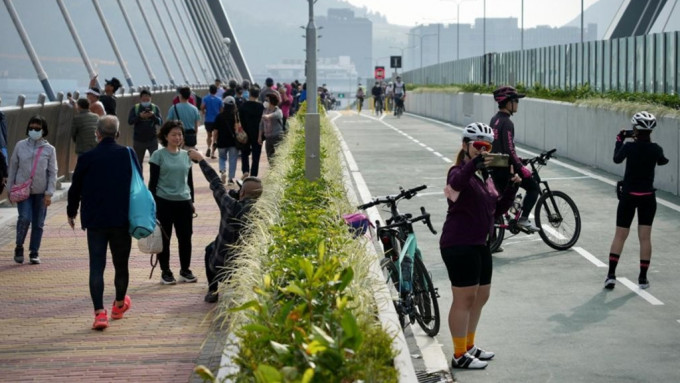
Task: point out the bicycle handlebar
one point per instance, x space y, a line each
543 157
391 199
425 218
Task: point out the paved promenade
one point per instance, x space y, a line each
46 313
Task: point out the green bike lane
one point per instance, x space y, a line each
548 318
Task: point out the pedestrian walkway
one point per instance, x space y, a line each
46 312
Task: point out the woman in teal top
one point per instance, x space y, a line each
173 189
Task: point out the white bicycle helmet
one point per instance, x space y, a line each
478 131
643 121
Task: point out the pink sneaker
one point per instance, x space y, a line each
117 312
101 321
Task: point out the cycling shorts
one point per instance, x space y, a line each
628 204
468 265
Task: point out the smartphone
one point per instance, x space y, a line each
498 160
628 133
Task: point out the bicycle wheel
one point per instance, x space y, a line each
497 236
391 278
425 299
559 220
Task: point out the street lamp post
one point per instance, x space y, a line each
312 119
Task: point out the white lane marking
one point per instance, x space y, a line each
447 160
586 173
553 232
528 239
589 256
564 178
642 293
429 193
437 154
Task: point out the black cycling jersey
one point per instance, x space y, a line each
504 138
641 159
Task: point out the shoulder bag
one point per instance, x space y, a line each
142 211
21 192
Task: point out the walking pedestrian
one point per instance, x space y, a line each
226 139
636 193
220 254
271 126
211 107
473 203
33 159
172 187
250 116
83 127
101 187
145 119
189 116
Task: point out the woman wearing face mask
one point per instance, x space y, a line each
271 126
473 203
33 151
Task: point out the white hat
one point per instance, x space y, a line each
229 100
93 91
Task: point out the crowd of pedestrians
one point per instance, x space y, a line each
100 189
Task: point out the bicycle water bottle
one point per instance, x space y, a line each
517 205
406 265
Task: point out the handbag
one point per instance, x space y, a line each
21 192
142 212
152 244
241 135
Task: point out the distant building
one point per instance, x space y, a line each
343 34
502 35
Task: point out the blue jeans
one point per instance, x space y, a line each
232 153
31 213
120 242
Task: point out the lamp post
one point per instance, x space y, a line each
522 37
458 2
421 44
312 119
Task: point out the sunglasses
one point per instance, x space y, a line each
481 145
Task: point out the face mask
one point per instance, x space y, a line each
266 104
146 104
35 135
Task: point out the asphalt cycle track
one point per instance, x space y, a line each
549 318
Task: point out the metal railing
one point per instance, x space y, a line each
646 63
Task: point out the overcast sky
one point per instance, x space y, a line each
536 12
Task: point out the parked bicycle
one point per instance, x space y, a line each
405 273
556 214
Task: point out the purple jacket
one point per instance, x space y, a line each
470 219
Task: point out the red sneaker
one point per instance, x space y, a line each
101 321
117 312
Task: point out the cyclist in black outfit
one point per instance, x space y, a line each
504 142
636 192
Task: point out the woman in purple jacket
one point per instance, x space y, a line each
473 203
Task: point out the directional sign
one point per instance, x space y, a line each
379 73
341 95
395 61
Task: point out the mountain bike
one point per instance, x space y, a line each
405 273
556 214
360 104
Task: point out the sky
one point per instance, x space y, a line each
536 12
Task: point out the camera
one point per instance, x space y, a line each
628 133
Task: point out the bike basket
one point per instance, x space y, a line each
358 223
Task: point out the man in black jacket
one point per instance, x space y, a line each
145 119
220 254
250 114
101 181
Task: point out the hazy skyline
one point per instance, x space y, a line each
555 13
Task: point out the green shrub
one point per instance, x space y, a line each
301 303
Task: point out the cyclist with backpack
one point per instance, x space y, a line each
360 97
504 142
636 193
473 203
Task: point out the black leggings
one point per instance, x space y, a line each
118 239
501 177
468 265
180 215
645 206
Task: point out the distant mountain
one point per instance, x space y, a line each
601 13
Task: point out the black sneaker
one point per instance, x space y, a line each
34 258
207 153
610 282
643 283
19 254
211 297
167 278
186 276
468 361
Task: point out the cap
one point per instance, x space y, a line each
229 100
93 91
114 82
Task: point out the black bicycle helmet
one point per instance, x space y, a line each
506 93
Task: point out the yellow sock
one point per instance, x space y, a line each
470 340
459 346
